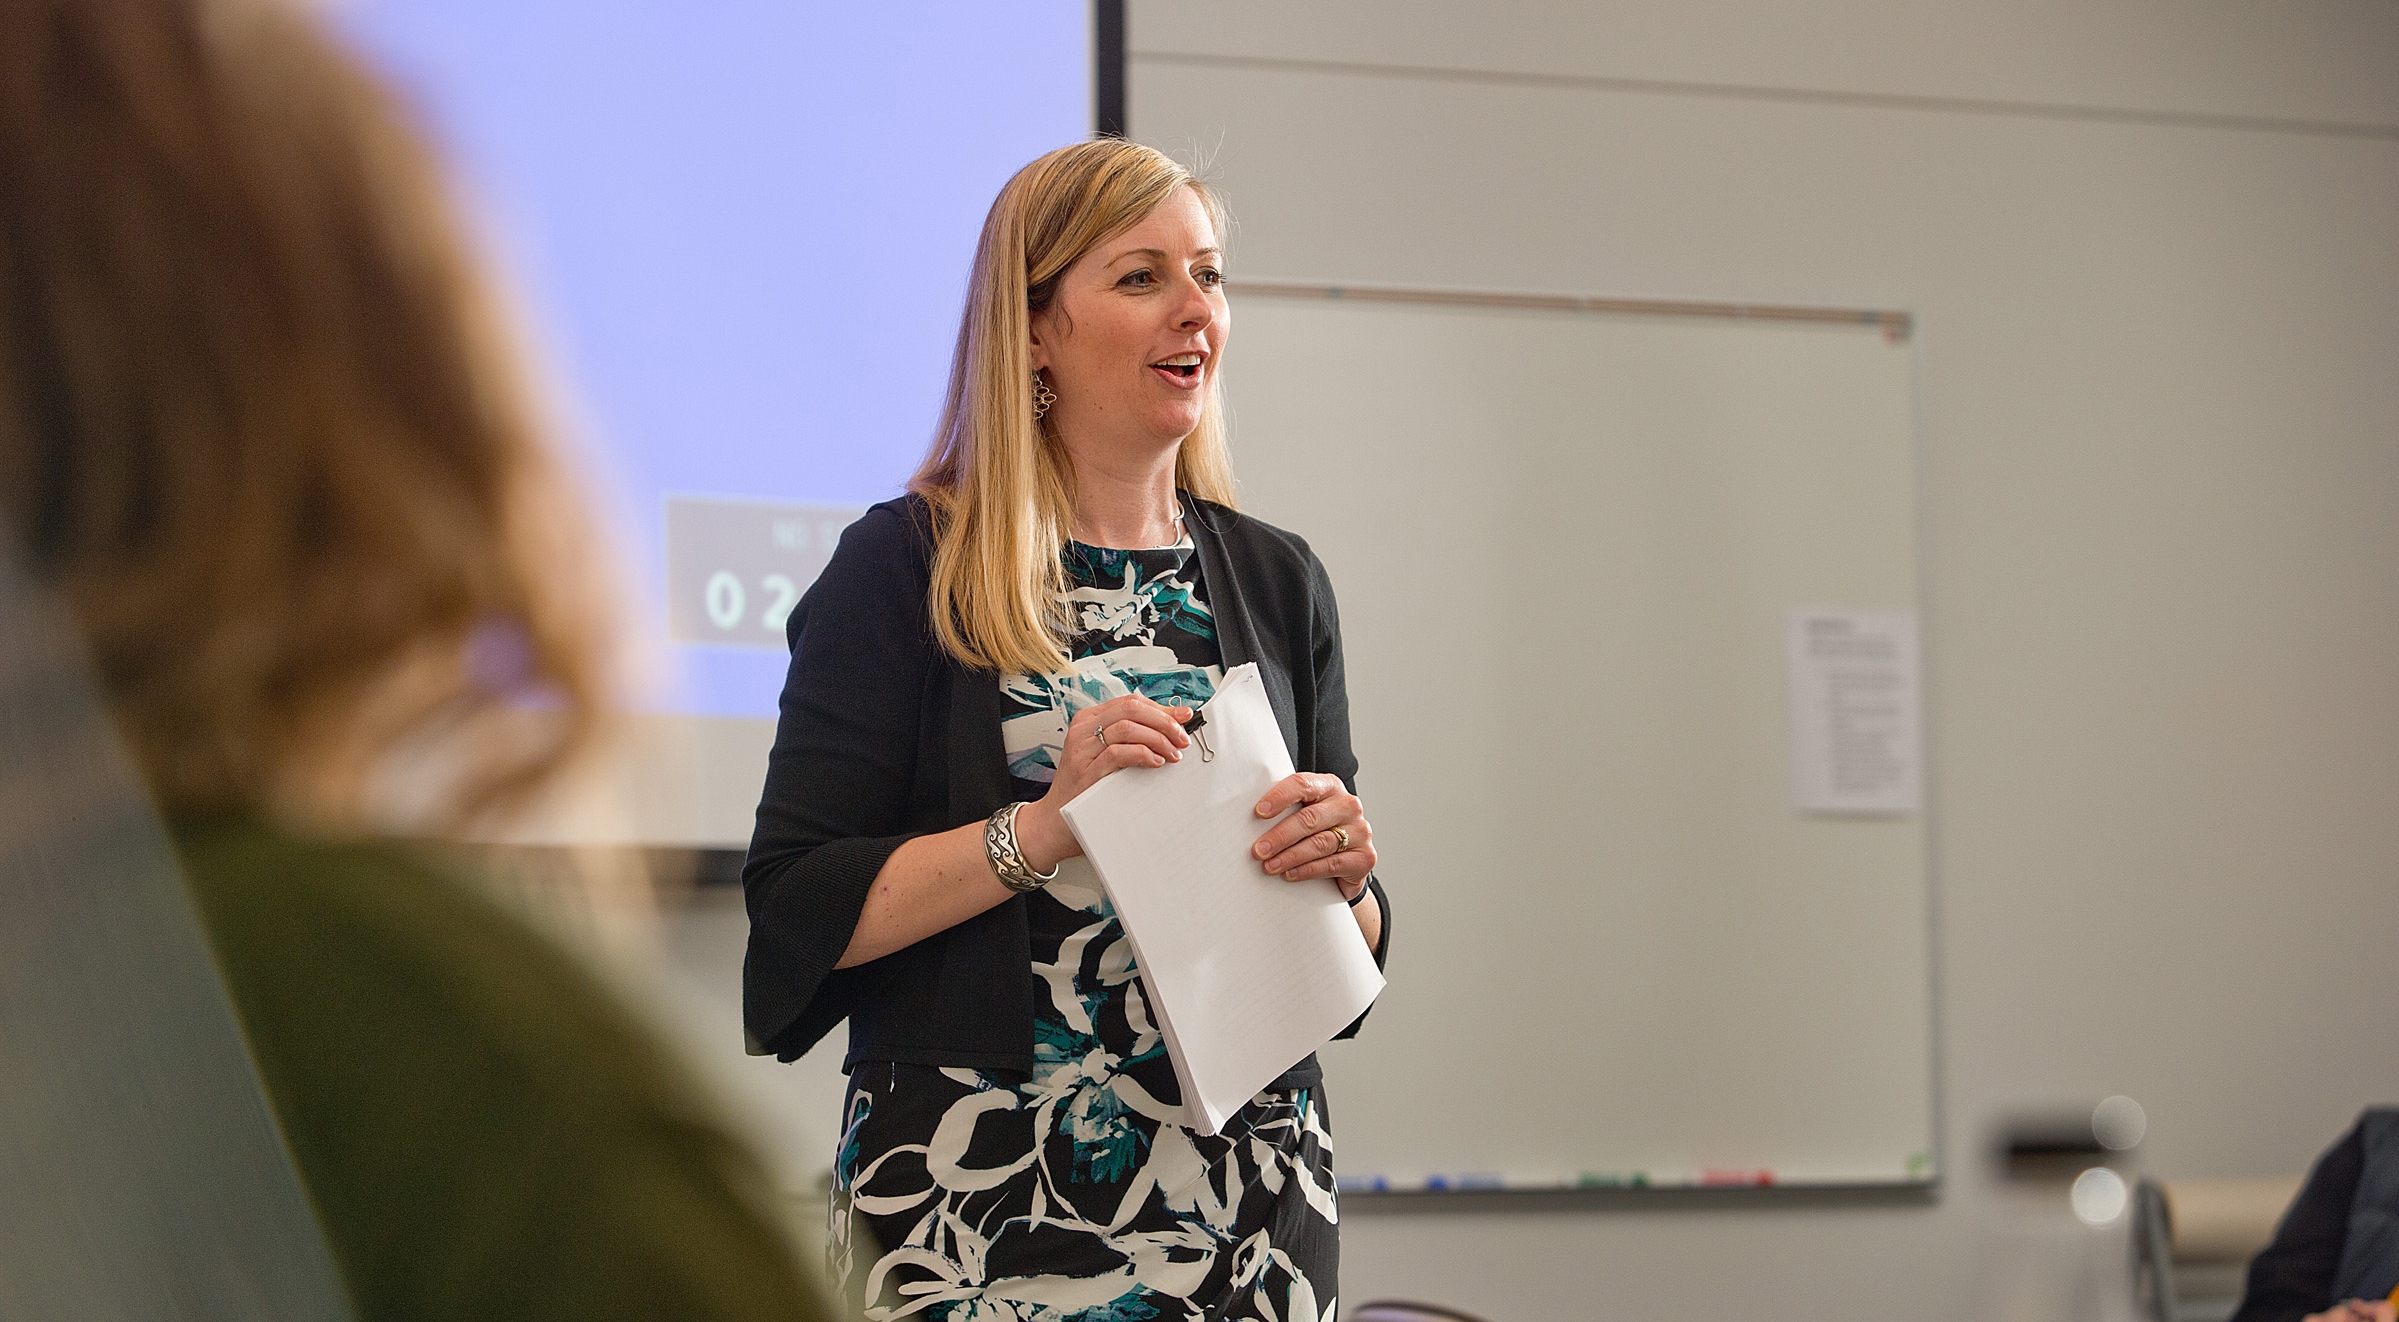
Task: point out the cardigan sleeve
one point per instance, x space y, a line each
836 800
1333 751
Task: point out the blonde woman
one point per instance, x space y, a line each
1065 582
260 430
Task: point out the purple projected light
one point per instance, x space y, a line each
745 229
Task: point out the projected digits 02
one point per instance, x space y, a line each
734 569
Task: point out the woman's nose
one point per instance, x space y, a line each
1197 309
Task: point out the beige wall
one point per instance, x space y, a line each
2155 251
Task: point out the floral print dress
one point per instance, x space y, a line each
1075 1193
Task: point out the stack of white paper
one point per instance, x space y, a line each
1246 973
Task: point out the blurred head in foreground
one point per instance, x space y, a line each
261 425
265 425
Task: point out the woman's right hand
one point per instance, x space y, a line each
1131 731
2356 1310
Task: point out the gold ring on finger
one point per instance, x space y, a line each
1340 841
1103 734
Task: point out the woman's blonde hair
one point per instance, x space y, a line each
1000 487
263 422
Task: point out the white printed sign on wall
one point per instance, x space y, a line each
1856 741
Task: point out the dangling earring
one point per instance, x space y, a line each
1043 397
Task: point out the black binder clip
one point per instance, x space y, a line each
1195 728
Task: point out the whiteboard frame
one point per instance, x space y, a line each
1896 326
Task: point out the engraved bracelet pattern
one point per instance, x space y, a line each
1007 860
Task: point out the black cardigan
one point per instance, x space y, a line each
884 738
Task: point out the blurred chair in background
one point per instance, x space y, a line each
2192 1239
141 1174
265 435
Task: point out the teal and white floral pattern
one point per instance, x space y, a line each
1141 627
978 1195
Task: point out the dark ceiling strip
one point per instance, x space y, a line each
1893 323
1788 95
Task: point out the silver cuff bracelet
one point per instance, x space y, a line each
1007 860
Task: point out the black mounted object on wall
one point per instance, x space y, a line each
1108 69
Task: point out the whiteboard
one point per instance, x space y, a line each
1565 547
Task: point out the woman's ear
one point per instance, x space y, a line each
1036 326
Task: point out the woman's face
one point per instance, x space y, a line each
1131 340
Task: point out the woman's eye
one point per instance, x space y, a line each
1210 277
1135 278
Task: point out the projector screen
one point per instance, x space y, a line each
744 230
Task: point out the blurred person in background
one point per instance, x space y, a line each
263 429
2335 1255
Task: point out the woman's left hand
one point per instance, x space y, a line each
1328 836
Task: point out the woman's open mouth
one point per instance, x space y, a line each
1181 371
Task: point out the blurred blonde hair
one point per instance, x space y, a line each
1001 489
266 425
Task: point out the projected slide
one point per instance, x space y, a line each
744 227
